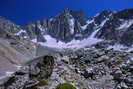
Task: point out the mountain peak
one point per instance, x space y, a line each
73 25
67 10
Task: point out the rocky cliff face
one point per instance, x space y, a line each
118 28
73 25
64 26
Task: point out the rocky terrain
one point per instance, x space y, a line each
68 49
85 68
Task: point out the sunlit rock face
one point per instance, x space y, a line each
15 48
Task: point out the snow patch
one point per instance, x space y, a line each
88 22
25 37
9 73
84 27
74 44
20 32
40 27
119 47
98 28
71 25
34 40
78 35
102 24
94 33
51 19
126 24
97 14
18 67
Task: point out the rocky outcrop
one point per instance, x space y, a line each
35 74
8 25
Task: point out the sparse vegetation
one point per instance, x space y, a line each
65 86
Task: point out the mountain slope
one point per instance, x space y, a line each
14 49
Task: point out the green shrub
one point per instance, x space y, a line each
65 86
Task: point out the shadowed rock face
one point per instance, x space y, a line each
127 37
125 14
62 24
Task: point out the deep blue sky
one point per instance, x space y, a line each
23 11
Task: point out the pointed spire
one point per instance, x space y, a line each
67 10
